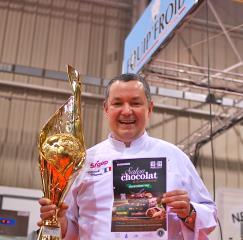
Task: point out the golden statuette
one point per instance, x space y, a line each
62 153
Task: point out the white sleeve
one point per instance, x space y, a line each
72 213
206 218
72 231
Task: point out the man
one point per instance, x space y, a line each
86 213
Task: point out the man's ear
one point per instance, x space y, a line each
150 107
105 107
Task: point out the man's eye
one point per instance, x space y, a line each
116 104
136 104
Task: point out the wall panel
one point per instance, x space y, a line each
50 34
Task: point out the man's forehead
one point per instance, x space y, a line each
120 97
133 82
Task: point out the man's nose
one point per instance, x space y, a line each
126 109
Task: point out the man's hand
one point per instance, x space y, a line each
178 201
47 211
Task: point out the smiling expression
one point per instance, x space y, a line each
127 110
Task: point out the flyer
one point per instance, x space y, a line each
139 185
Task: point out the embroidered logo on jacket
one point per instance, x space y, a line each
100 171
98 164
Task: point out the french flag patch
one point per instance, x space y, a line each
107 169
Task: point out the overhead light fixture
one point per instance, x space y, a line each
211 98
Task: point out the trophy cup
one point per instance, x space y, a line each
62 153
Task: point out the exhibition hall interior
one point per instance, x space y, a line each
195 75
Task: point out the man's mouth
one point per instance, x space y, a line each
127 121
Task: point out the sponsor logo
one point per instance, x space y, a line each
100 171
98 164
95 173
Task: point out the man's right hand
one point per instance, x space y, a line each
47 211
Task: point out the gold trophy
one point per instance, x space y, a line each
62 153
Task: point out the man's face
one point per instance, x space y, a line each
127 110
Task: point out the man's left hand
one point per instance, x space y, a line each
178 201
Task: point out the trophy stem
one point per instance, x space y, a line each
52 222
50 230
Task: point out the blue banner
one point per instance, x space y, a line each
156 24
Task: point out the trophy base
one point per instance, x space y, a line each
50 233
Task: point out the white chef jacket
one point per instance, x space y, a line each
90 198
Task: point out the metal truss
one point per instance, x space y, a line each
222 87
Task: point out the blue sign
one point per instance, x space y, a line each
7 221
158 21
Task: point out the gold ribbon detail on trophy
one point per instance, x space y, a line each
62 153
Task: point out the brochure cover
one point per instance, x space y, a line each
139 185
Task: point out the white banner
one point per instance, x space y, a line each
230 213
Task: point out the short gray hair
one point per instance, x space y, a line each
127 77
